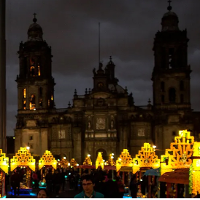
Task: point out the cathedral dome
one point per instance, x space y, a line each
170 21
117 88
35 31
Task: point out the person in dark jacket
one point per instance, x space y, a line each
35 179
57 182
111 188
15 182
120 187
7 177
134 187
49 181
62 179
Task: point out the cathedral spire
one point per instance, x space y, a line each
169 7
34 19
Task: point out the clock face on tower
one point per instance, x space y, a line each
100 85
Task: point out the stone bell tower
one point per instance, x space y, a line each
35 82
35 92
171 73
171 81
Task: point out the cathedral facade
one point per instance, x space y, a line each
105 117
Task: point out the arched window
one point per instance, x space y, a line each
24 93
24 104
32 71
40 103
172 95
32 102
32 67
170 59
39 73
38 66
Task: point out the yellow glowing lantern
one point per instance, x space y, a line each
22 158
110 161
87 160
47 159
63 163
4 162
99 161
146 157
180 153
73 162
124 160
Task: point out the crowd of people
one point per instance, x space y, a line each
96 184
91 184
54 181
106 183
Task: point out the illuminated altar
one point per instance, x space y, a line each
180 153
124 163
144 160
24 162
46 162
124 160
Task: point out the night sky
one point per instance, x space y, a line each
70 27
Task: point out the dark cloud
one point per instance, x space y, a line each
127 31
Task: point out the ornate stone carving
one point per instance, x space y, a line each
100 123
